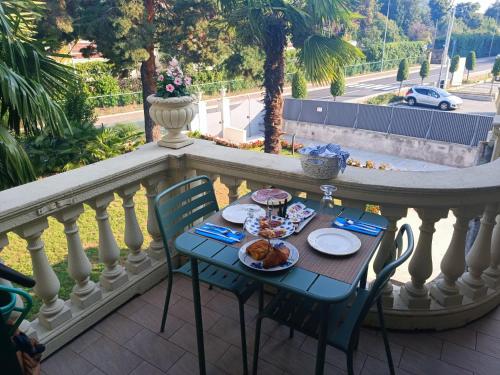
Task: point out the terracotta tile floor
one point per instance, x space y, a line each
128 342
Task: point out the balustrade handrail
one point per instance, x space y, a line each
447 189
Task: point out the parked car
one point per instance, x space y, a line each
432 96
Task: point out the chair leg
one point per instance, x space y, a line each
167 301
256 345
350 363
292 331
384 334
261 297
241 306
356 339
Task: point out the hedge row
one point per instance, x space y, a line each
462 44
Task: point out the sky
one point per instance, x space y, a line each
484 3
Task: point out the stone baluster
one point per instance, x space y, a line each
232 184
471 283
414 293
137 260
113 276
4 241
387 250
54 311
445 290
156 249
492 274
85 292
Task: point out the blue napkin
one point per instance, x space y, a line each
215 236
220 234
341 223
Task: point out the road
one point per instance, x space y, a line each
356 87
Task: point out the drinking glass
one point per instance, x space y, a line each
326 204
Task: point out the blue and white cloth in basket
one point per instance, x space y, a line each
327 151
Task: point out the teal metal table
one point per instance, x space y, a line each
327 280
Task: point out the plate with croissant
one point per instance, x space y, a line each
268 256
270 227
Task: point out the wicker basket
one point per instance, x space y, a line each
319 167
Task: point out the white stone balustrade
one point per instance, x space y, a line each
454 298
113 276
137 260
85 292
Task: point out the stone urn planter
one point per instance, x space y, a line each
173 114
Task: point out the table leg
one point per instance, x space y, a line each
323 332
197 315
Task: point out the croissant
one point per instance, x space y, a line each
277 256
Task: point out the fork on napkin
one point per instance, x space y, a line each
357 226
220 233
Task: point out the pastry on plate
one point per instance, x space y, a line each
259 249
276 256
272 232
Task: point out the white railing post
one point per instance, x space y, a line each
53 311
414 293
137 260
113 276
491 275
445 290
156 249
387 250
85 291
471 284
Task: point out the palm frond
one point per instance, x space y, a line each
325 11
325 57
15 166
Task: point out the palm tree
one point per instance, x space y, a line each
29 83
310 26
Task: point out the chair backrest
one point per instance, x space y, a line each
388 270
181 205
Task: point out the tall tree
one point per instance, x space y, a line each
469 13
403 73
30 82
470 62
493 11
124 32
438 10
312 27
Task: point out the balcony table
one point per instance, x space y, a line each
323 278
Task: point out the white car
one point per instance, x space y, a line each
432 96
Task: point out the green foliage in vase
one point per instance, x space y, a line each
299 85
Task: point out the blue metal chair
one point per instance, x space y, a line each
179 207
345 319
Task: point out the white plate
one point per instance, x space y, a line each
253 227
237 213
334 241
275 196
248 261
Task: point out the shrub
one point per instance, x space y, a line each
470 62
385 99
77 106
299 85
454 65
478 42
85 145
394 51
403 73
424 70
337 87
495 71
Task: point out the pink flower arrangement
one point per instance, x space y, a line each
172 82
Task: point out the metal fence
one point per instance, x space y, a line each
460 128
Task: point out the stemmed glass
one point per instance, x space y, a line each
326 204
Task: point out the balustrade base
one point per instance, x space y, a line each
56 320
474 292
156 253
414 301
491 282
87 300
114 283
446 299
175 144
138 267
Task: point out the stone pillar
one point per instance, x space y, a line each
137 260
54 311
471 283
113 276
85 292
387 248
156 249
414 293
445 290
492 274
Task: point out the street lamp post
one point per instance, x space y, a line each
445 57
385 35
